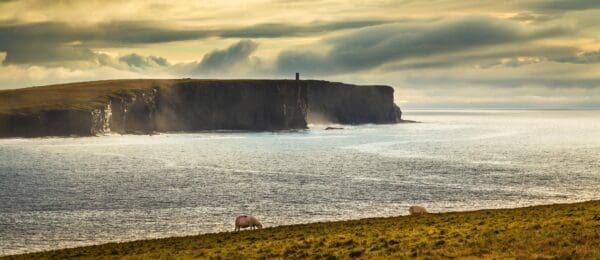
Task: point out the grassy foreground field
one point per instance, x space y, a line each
561 230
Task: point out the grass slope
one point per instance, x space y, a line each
82 95
86 95
561 230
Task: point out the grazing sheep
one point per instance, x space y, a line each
245 221
417 210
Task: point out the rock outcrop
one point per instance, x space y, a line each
147 106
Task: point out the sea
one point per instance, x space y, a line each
67 192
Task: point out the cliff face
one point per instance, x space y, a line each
46 123
350 104
256 105
146 106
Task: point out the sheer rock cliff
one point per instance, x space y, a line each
147 106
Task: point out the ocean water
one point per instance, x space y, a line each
66 192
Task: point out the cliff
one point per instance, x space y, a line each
332 102
146 106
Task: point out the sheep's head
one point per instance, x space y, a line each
259 226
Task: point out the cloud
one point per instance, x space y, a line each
38 43
534 17
565 5
511 82
275 30
15 76
581 58
31 53
305 62
500 98
137 61
235 57
510 55
546 74
372 47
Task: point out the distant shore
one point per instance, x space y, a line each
559 230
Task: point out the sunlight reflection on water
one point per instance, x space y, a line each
64 192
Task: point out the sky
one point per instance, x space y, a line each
436 54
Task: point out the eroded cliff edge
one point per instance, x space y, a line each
147 106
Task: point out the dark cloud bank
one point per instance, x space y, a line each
378 45
564 5
372 44
46 42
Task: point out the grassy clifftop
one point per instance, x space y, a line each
562 230
90 95
81 95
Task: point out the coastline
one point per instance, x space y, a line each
147 106
557 230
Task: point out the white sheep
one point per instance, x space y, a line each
417 210
245 221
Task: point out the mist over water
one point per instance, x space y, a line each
65 192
